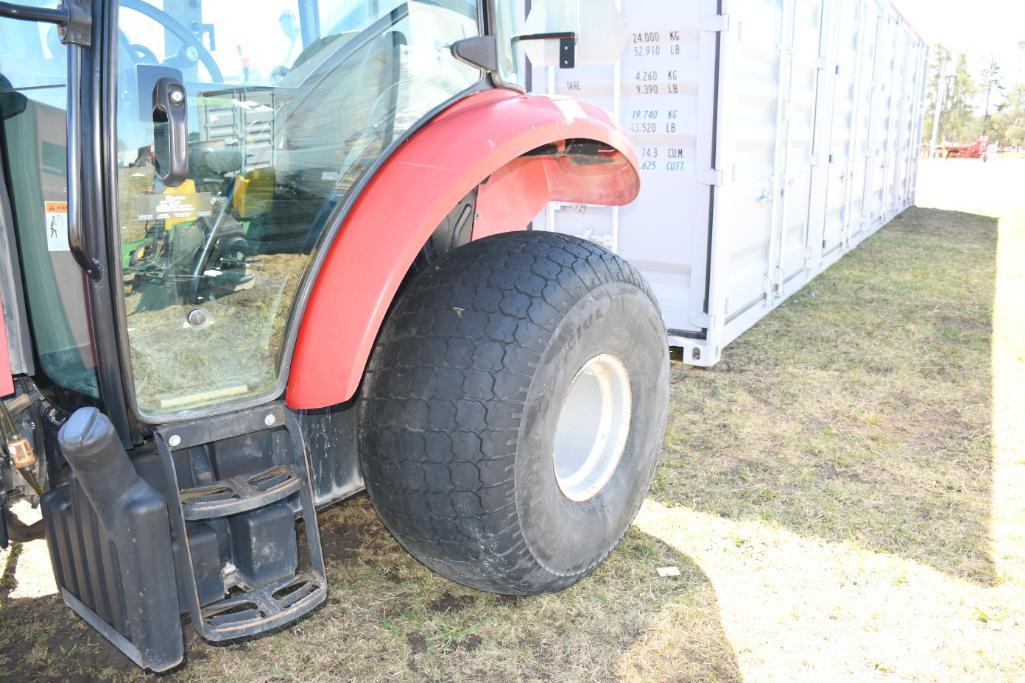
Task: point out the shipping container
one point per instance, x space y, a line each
774 136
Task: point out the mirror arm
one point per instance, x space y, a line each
567 45
73 17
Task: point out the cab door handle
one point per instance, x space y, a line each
170 131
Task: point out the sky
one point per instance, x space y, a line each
981 28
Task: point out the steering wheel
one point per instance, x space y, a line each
180 32
143 54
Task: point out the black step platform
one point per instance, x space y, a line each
252 502
240 494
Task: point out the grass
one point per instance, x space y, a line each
388 618
844 496
860 410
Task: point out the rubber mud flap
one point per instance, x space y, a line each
110 545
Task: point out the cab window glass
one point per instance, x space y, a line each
287 107
33 120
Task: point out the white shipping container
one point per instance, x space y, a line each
774 136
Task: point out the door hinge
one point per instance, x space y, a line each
704 321
711 177
717 23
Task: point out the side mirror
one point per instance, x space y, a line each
479 51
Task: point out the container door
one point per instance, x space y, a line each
662 91
801 160
753 120
865 104
848 41
879 125
911 112
241 128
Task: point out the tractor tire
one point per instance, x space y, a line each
514 409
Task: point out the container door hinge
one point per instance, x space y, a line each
718 23
711 177
705 321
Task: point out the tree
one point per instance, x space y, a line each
957 119
1008 125
993 86
971 108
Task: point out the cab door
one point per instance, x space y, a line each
243 129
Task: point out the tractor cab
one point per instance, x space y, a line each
210 210
237 135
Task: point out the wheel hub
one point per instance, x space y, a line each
593 427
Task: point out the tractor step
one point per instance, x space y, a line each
253 611
240 480
240 494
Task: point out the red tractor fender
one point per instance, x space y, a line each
480 141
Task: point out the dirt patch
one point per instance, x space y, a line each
417 643
451 603
345 542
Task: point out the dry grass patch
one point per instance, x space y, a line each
389 618
861 409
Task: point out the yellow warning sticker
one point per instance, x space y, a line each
57 226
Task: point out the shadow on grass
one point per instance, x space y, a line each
389 618
861 409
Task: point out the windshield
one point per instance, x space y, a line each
288 105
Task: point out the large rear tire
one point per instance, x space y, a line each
514 410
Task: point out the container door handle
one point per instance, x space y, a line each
170 131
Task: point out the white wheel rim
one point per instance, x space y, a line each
593 426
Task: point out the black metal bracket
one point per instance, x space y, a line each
73 17
567 45
78 29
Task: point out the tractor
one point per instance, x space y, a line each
977 150
256 258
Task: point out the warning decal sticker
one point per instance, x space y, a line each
57 226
